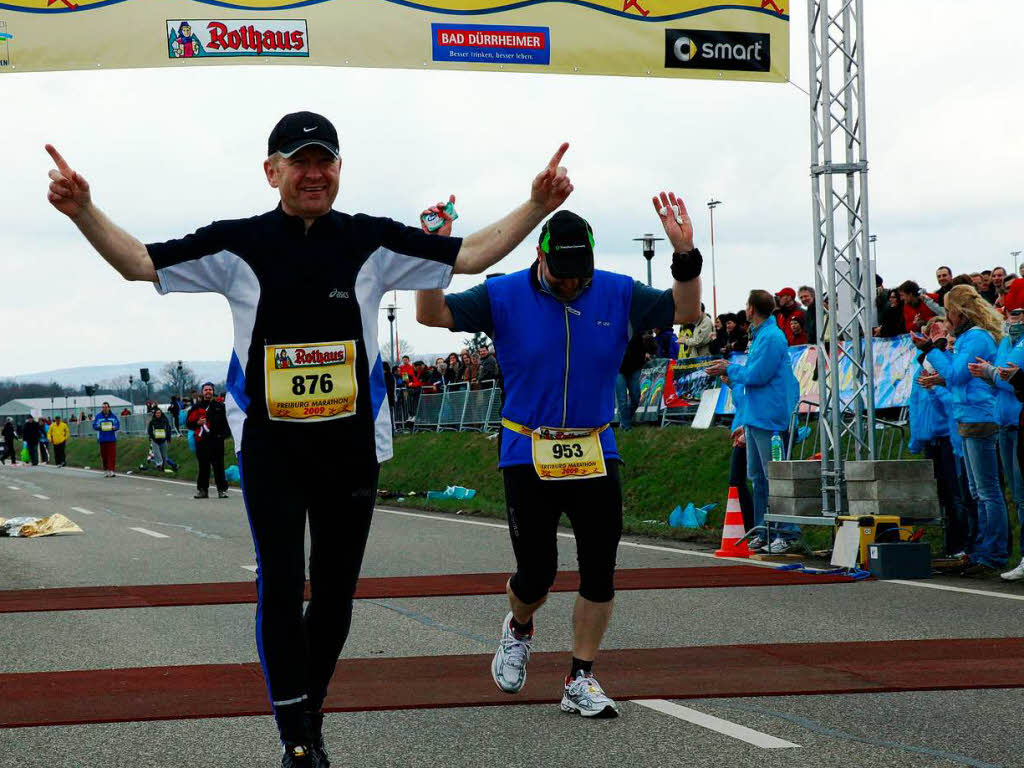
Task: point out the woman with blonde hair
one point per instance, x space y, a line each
978 329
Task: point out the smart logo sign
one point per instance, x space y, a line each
708 49
480 43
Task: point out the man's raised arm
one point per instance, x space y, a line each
686 261
69 194
482 250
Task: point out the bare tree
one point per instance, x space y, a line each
178 381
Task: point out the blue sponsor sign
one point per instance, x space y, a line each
488 44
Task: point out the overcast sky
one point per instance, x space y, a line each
169 150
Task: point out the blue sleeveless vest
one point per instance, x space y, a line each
559 361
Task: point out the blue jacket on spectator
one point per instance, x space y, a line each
668 344
108 435
974 400
929 414
771 391
1007 405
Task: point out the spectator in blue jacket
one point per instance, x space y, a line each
771 392
978 329
930 418
106 425
1008 408
668 343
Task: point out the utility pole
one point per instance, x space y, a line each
712 204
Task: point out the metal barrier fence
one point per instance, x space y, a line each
459 409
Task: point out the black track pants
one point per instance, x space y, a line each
299 649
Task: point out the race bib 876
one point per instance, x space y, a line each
311 382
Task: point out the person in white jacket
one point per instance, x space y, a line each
695 338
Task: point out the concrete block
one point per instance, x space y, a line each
794 470
795 489
926 491
778 505
915 510
888 470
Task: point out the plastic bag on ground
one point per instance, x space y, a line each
690 517
452 492
31 527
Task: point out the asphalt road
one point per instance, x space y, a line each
202 541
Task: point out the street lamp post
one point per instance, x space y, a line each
181 382
392 314
1016 259
873 239
648 241
712 204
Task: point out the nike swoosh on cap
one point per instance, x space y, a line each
307 130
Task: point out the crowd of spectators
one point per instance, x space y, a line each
406 381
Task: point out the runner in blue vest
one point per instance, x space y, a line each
560 329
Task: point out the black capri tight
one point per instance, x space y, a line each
534 506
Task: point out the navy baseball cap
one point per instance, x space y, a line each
298 130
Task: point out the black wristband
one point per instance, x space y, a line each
687 266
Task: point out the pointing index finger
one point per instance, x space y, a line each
57 158
556 159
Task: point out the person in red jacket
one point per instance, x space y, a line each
915 312
786 310
799 335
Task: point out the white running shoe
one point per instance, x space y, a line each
778 547
584 696
509 665
1015 575
755 543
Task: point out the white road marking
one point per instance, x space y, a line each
83 510
946 588
40 496
13 488
634 544
717 724
148 532
678 551
250 568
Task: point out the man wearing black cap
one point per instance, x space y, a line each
560 330
304 283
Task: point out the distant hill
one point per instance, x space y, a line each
206 370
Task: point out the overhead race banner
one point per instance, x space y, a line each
737 40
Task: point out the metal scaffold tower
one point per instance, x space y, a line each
843 270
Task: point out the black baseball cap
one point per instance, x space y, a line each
302 129
567 241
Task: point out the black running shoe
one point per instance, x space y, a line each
320 757
297 756
201 495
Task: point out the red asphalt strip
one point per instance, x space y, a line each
236 690
448 585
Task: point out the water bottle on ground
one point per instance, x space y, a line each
776 447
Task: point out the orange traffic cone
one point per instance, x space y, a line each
732 529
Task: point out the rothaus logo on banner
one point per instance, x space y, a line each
198 38
709 49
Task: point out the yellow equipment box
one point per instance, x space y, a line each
873 528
